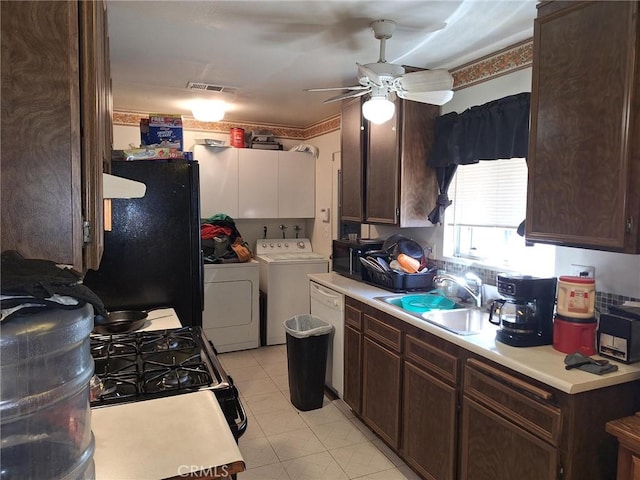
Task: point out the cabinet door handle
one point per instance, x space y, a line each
519 384
339 193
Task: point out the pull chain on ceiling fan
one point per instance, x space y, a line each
383 80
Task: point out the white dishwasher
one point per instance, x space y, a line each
328 305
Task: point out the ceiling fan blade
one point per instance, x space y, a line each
426 81
354 87
363 70
347 95
439 97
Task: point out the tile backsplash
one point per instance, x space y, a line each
488 276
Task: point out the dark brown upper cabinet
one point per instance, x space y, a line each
385 178
584 150
56 129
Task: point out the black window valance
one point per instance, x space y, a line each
493 131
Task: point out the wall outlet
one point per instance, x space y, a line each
430 251
585 271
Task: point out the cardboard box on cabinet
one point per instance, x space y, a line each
162 130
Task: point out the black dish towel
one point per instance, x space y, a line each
582 362
33 282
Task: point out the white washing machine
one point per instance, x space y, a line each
284 266
231 317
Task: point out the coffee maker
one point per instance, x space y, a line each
525 314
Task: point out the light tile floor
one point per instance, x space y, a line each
284 443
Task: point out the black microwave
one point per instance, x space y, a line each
346 255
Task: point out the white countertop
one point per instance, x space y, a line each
161 319
163 438
544 364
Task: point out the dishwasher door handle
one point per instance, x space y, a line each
334 298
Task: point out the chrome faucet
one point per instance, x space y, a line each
470 283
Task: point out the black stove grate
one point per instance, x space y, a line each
143 365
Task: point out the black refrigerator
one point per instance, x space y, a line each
152 255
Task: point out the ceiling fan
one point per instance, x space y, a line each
382 80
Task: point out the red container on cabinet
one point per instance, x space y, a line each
237 137
571 336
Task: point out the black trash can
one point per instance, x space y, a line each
307 345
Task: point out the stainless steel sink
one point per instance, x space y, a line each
463 321
460 320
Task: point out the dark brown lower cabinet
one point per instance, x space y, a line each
510 428
495 449
430 424
381 387
353 368
452 415
627 431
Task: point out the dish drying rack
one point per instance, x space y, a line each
398 282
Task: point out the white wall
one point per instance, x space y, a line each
327 164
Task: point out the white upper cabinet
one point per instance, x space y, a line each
258 183
218 180
246 183
296 185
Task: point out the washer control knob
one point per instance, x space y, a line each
264 244
286 245
271 244
300 244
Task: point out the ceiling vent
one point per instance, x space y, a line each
208 87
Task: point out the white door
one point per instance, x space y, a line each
218 180
328 305
296 185
257 183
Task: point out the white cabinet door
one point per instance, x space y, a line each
257 183
296 185
218 180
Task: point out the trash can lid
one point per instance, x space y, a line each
305 325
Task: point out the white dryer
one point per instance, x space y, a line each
284 266
231 317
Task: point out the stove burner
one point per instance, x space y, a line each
169 343
109 387
177 340
177 378
106 347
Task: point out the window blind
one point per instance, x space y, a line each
489 194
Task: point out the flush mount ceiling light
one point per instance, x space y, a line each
208 110
378 109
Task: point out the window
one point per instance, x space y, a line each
489 202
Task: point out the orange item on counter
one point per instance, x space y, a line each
408 264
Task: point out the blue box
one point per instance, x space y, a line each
162 130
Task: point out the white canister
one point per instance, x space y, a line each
576 297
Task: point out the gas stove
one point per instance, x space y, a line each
144 365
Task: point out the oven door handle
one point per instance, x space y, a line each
241 425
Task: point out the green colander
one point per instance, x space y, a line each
428 301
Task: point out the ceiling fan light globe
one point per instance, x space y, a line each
378 110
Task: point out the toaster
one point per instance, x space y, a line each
619 335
